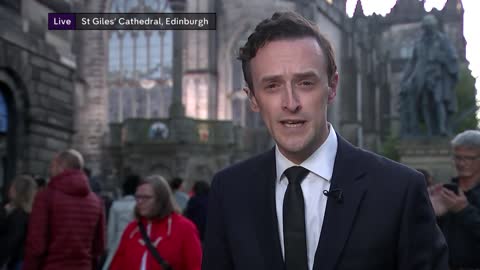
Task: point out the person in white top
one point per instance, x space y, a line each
121 214
314 201
181 198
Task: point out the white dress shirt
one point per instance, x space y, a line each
320 164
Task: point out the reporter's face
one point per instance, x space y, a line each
291 92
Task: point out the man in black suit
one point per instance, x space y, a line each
314 201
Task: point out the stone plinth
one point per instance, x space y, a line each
432 154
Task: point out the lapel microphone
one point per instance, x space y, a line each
335 194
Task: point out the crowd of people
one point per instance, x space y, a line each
63 224
314 201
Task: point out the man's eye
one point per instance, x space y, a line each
306 83
272 86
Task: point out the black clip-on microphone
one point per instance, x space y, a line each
336 194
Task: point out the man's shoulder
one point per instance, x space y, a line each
43 197
246 166
382 166
475 193
243 174
382 176
90 200
43 193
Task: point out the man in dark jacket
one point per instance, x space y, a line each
457 206
67 223
197 206
313 201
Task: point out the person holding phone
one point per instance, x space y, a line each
457 204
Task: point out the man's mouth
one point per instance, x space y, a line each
292 123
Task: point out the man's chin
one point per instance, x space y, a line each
464 174
292 150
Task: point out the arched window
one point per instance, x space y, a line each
3 114
139 65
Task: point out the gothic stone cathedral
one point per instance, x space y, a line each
172 102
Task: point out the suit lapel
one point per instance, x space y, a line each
266 214
339 217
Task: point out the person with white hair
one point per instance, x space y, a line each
67 225
457 204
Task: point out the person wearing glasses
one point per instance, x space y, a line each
457 204
159 238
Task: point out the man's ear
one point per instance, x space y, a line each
332 88
252 99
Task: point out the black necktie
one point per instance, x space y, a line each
295 238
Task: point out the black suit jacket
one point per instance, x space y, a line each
385 221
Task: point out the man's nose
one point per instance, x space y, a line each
290 100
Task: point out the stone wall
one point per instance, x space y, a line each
37 71
433 155
210 147
91 118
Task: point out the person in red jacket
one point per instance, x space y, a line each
67 225
175 237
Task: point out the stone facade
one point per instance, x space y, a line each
57 83
91 107
37 79
190 148
370 52
382 47
431 154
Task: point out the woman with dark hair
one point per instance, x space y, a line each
15 222
159 238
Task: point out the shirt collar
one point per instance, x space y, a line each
321 162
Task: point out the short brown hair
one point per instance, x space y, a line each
164 201
284 25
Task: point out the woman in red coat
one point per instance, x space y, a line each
174 236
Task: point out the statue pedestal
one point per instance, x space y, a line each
432 154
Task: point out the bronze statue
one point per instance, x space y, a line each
428 83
